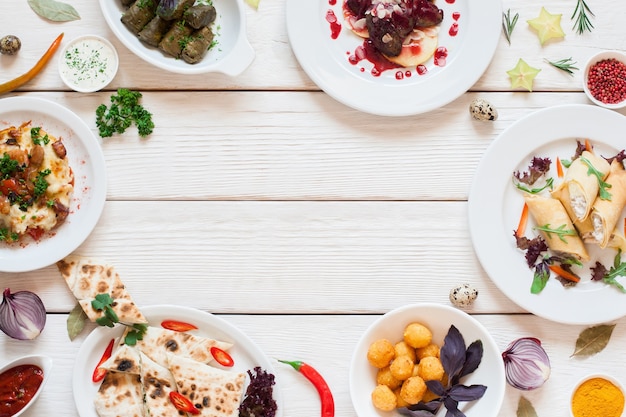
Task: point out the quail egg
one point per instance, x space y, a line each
481 109
9 45
463 296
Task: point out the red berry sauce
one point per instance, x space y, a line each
335 26
607 81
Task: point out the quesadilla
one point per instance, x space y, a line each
214 392
87 278
158 342
120 395
124 359
157 383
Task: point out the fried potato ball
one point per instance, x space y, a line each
399 401
403 349
417 335
430 350
416 370
413 389
384 377
380 353
402 367
383 398
430 369
429 396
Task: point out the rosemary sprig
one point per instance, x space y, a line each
582 12
566 65
508 24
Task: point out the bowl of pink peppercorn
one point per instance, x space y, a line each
605 79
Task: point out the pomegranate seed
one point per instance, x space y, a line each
607 81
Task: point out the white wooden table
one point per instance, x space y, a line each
292 216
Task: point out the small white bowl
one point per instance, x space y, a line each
88 63
609 378
438 318
231 55
621 57
43 362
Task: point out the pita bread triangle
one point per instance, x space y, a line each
215 392
120 395
87 278
124 359
157 383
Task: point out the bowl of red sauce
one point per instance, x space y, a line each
604 79
21 383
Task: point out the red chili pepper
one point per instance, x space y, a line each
26 77
177 326
222 357
182 403
99 373
326 396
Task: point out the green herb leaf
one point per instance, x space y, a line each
549 184
76 321
582 12
593 340
54 10
525 408
617 270
508 24
566 64
137 332
560 231
101 301
604 194
123 112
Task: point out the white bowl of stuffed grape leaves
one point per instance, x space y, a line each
183 36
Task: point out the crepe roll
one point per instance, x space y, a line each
582 185
606 213
584 227
549 213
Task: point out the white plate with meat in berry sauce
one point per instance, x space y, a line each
436 57
496 208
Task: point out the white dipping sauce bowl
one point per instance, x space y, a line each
88 63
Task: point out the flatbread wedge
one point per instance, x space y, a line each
124 359
87 278
157 343
215 392
157 383
120 395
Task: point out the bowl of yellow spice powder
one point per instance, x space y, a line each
597 396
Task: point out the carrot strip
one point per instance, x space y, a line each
523 220
559 167
624 226
588 146
563 273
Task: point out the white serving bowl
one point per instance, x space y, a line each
232 54
43 362
87 71
438 318
620 56
588 377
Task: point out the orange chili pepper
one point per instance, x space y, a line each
24 78
559 168
563 273
588 146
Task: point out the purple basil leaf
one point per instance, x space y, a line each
452 353
415 413
466 393
473 356
436 387
431 406
453 408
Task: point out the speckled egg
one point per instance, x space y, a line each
463 296
10 45
481 109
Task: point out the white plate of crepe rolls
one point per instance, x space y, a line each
595 226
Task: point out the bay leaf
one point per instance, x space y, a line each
593 340
54 10
76 321
525 408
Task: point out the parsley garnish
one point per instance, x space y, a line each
104 303
123 112
41 185
36 137
8 166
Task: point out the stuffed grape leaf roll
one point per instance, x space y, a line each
175 40
139 14
173 9
154 31
197 47
200 15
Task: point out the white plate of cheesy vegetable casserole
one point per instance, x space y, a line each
53 184
546 213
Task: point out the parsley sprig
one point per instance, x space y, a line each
604 194
104 303
123 112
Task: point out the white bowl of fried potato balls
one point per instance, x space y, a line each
416 356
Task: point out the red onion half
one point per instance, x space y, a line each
22 314
526 364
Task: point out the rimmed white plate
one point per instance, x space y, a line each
495 206
231 55
326 60
245 352
87 162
